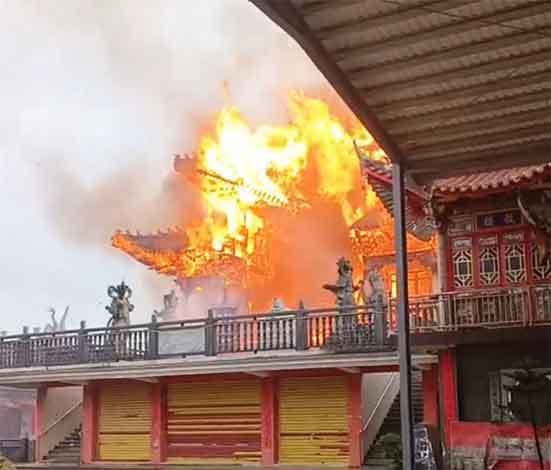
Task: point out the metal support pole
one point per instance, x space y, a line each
406 409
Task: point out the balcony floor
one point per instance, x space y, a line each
197 365
477 335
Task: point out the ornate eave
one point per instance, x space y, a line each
418 221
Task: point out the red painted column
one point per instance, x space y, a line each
355 421
41 394
269 420
448 384
430 396
158 413
90 405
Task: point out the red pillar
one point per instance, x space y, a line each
41 394
269 421
430 396
448 384
158 435
90 404
355 421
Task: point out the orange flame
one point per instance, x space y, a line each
243 169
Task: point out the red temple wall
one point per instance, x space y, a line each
505 446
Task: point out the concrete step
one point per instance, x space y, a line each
63 459
71 463
67 452
68 445
73 451
65 448
391 424
379 464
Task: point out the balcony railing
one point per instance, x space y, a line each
522 306
361 328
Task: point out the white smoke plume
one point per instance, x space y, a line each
96 97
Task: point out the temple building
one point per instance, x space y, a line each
494 313
220 279
480 312
456 95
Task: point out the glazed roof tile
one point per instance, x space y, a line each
489 179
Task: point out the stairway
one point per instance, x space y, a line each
375 459
67 451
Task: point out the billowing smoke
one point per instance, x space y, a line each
97 96
128 198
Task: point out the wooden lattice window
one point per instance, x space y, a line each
541 268
462 263
488 260
515 263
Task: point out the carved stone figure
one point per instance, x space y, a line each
373 286
344 288
56 325
170 303
278 306
120 307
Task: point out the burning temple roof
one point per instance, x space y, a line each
252 181
171 240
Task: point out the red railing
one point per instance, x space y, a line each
501 307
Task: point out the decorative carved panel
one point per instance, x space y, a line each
515 263
489 266
463 268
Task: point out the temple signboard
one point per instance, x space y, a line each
499 219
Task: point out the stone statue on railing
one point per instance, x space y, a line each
278 306
56 325
344 288
373 287
352 331
170 304
120 307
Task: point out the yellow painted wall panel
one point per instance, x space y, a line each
313 421
214 422
124 422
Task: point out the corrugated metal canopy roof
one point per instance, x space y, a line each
443 85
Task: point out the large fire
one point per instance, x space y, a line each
244 174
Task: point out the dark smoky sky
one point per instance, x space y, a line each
95 97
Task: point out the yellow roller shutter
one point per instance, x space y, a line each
214 422
125 422
313 421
